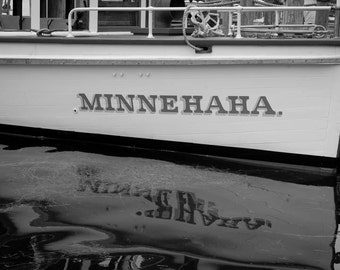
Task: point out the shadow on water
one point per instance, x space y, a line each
271 170
65 206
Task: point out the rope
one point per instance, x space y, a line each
200 21
184 21
46 32
206 24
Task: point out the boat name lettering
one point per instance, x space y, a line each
172 104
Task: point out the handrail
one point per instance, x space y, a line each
151 9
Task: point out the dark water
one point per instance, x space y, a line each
67 208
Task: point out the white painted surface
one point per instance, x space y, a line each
125 51
142 21
307 96
93 18
35 14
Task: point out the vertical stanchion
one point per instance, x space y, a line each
93 18
69 23
230 33
150 35
150 20
337 20
238 34
143 14
35 14
277 19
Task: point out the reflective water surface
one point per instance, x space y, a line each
70 209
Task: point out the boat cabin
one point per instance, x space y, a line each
52 14
301 17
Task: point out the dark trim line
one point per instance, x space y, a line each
171 40
192 148
274 165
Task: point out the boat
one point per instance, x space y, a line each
257 92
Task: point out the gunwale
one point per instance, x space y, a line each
137 42
170 40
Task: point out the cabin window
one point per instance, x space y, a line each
109 20
16 14
28 15
12 13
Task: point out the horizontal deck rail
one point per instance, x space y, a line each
150 9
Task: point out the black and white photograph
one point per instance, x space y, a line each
169 134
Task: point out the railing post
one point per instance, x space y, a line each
230 18
150 21
143 14
69 23
150 35
277 19
337 20
238 34
35 14
93 18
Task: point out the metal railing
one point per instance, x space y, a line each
238 9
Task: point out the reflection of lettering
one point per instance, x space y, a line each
232 105
174 205
164 210
188 208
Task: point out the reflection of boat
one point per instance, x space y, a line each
278 96
93 205
30 254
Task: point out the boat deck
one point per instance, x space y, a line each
120 49
130 38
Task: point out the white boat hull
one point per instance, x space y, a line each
290 97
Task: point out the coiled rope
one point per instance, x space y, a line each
184 22
201 20
204 24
